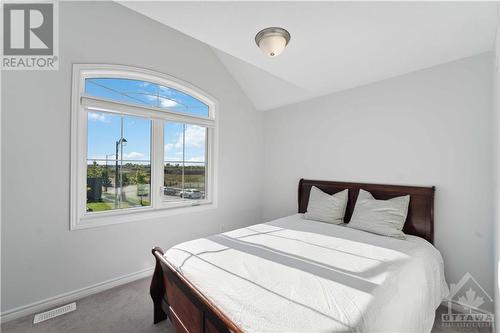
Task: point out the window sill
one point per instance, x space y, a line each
100 220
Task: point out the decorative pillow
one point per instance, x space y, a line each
325 207
383 217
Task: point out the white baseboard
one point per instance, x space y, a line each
72 296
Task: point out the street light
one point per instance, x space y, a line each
120 143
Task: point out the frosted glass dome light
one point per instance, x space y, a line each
272 41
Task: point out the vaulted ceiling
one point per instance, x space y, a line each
334 45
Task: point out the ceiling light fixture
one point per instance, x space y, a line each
272 41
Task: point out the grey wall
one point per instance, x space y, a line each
431 127
41 258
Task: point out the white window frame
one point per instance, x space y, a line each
79 217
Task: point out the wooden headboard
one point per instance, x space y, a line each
420 219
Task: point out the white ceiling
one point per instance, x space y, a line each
334 45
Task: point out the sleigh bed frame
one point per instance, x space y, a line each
176 298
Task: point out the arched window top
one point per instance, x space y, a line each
145 93
142 142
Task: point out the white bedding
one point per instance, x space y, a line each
297 275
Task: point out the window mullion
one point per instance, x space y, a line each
183 157
157 164
103 105
208 188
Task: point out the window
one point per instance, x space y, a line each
185 161
118 161
142 143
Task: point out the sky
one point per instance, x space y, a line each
104 129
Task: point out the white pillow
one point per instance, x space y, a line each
325 207
383 217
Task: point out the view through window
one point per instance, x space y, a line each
120 148
185 159
118 161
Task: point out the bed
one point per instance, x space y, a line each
297 275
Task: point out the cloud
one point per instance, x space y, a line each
133 156
168 103
166 91
194 136
95 116
164 102
169 146
196 159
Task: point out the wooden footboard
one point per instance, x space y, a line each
174 297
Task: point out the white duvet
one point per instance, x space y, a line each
297 275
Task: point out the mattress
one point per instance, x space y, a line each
297 275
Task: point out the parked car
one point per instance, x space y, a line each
191 193
169 190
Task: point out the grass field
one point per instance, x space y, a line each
98 206
136 175
108 201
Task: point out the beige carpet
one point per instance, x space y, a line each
123 309
127 309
